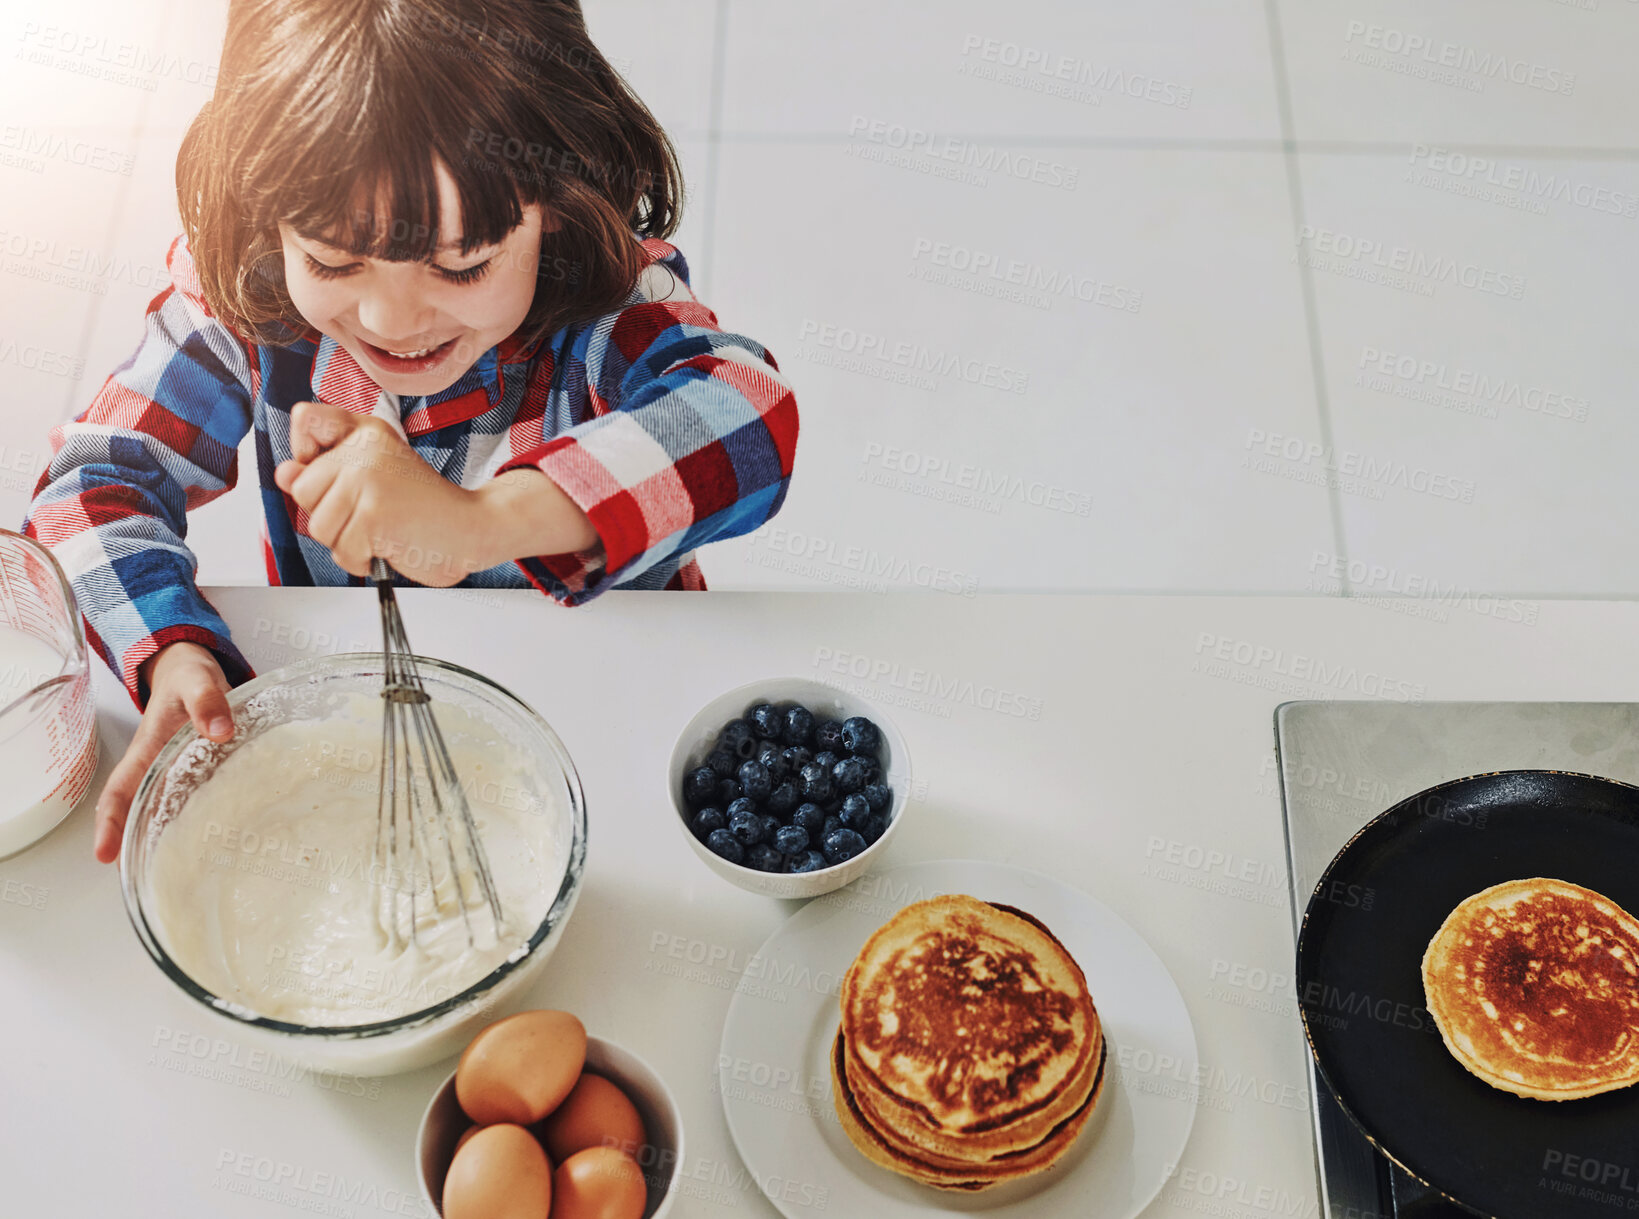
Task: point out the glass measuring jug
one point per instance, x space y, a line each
48 723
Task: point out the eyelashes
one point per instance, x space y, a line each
468 275
322 270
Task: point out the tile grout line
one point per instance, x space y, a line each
1201 144
714 147
1306 283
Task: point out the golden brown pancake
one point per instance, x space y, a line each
907 1134
905 1123
946 1174
970 1051
1534 985
970 1017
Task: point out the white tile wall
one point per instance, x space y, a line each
1059 439
1312 230
664 50
1533 73
80 62
1165 70
59 216
1500 357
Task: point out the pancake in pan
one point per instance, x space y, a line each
1534 985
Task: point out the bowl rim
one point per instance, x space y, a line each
327 667
877 717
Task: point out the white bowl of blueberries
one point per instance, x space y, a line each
789 787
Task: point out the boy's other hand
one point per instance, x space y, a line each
185 683
368 494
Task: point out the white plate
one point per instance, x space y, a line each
774 1067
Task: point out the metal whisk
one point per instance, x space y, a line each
420 803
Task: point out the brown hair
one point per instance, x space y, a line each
330 114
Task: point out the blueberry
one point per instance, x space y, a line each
814 782
755 780
796 757
747 828
728 791
826 759
783 799
855 812
700 787
799 725
791 840
810 817
770 824
829 826
843 845
875 827
723 762
809 861
766 721
738 738
873 770
772 759
859 735
765 858
725 844
879 796
741 805
827 735
848 775
707 820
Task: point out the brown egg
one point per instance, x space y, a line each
501 1173
595 1114
465 1135
520 1069
598 1183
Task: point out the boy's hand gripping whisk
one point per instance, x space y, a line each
423 813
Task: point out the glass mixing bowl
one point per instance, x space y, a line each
314 691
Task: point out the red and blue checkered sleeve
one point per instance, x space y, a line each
161 437
693 439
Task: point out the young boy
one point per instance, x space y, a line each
436 285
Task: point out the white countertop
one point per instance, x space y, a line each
1124 745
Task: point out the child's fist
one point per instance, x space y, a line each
368 494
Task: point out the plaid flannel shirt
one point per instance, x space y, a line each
665 430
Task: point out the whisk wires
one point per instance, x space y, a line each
417 789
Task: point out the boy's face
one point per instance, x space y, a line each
416 327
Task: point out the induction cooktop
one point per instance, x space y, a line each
1340 764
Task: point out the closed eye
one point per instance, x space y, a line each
466 275
325 271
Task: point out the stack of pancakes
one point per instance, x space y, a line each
1534 985
970 1052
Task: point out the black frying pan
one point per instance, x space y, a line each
1360 991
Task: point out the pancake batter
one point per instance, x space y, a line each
266 889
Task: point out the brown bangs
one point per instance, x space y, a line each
386 205
332 116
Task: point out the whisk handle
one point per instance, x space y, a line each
380 573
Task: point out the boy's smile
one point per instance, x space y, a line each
411 363
416 327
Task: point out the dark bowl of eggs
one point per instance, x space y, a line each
541 1121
